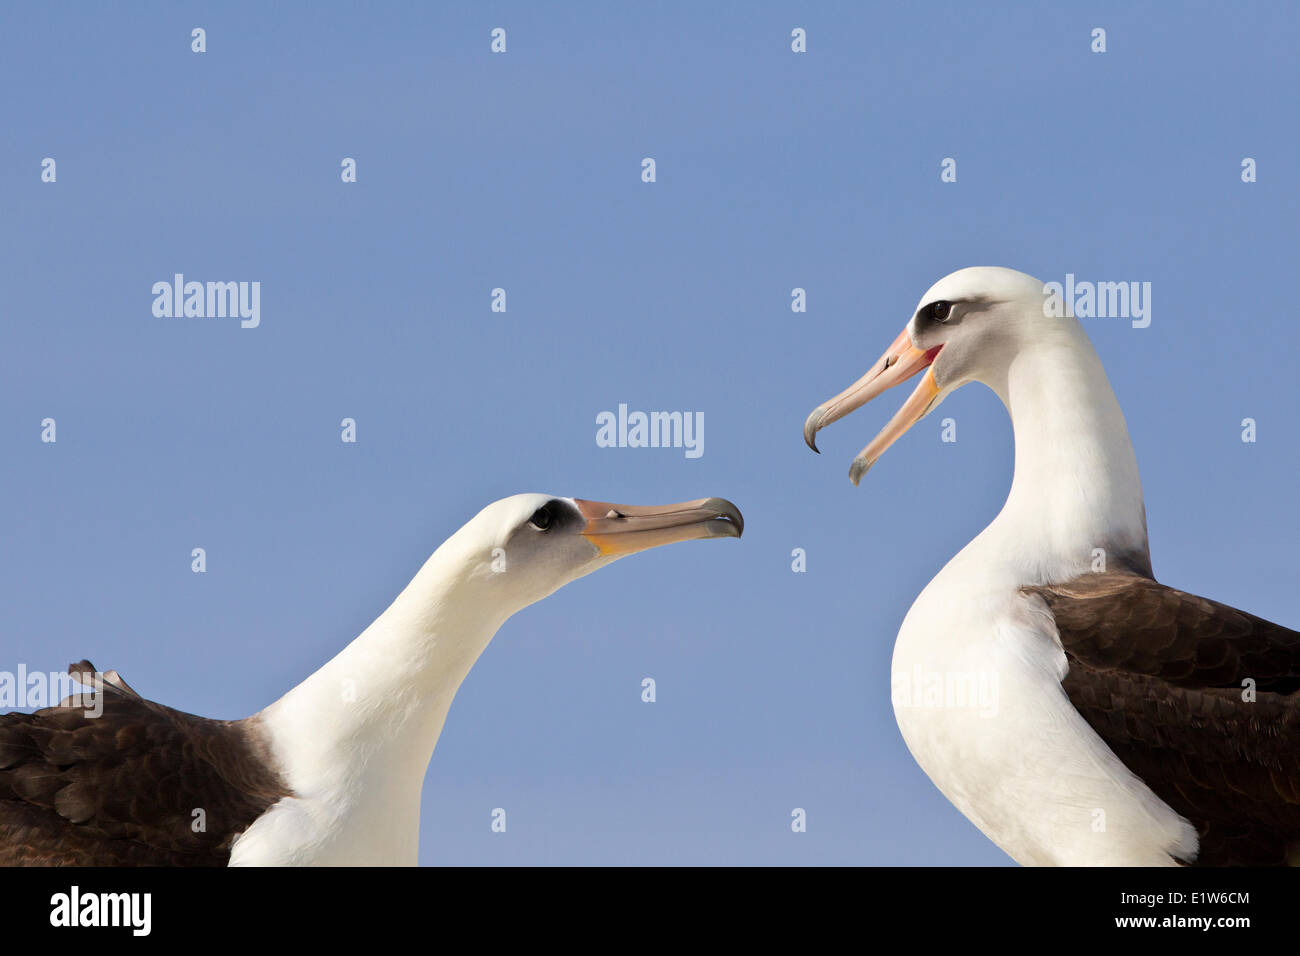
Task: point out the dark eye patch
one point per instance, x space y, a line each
543 517
938 311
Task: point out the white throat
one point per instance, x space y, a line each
1076 498
354 740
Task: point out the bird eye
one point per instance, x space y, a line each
542 518
939 311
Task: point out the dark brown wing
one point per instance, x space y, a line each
1158 674
122 788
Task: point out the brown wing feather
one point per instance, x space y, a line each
1158 675
121 788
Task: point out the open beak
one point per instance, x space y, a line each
626 529
900 362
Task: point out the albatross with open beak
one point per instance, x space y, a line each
330 774
1133 724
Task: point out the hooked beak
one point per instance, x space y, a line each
900 362
626 529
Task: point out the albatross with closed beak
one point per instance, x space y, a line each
1134 724
330 774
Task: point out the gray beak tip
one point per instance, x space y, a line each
810 427
730 523
860 467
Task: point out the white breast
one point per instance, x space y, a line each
1010 751
304 832
356 782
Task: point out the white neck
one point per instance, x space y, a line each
357 735
1076 486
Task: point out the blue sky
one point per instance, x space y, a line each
775 170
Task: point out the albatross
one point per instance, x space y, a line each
1133 723
331 773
